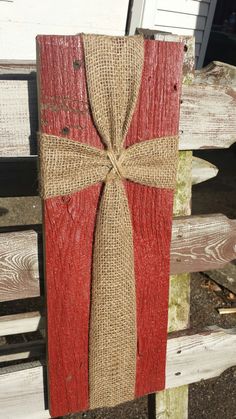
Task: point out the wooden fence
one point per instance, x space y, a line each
198 242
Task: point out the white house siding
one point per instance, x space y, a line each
22 20
182 17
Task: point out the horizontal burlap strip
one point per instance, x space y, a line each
113 72
68 166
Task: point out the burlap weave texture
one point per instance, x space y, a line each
113 72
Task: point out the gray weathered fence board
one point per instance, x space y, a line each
25 350
202 241
202 170
198 243
226 277
18 67
216 74
18 117
19 265
207 118
15 324
22 391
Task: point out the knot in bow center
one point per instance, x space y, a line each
116 169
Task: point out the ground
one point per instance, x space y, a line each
209 399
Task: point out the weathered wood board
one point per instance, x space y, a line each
18 117
167 403
208 117
20 259
214 87
197 243
226 277
21 323
202 170
216 74
11 68
172 403
215 234
22 391
16 351
188 359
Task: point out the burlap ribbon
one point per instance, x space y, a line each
113 72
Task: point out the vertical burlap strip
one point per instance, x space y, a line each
112 340
113 72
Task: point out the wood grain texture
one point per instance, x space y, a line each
19 265
215 248
69 222
192 247
22 394
207 117
216 82
18 117
189 53
188 361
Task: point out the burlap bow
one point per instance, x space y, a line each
113 72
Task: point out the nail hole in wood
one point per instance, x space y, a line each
181 101
178 260
178 373
179 352
179 236
181 132
65 130
66 199
185 48
77 64
175 86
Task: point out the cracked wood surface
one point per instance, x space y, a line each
206 120
22 392
198 243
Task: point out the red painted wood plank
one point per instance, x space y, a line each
69 226
157 115
69 221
